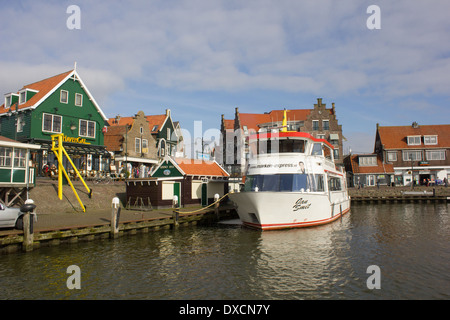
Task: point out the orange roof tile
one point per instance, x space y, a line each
200 167
395 137
113 137
156 120
380 168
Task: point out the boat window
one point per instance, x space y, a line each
317 149
281 146
284 182
334 184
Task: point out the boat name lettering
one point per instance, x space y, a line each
301 204
279 165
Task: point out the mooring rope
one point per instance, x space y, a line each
184 212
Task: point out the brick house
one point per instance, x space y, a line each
320 122
418 152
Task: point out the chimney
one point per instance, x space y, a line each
168 112
319 101
332 107
415 125
117 119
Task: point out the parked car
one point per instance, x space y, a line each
12 217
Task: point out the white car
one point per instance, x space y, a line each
12 217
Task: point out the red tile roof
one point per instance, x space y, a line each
43 87
396 137
152 121
113 137
200 167
254 120
380 168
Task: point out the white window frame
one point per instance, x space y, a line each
369 161
52 130
8 101
19 123
22 97
323 125
412 140
81 99
6 156
137 145
145 145
61 96
429 155
406 153
429 142
88 123
315 128
392 156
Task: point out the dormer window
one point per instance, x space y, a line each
430 140
8 100
368 161
22 97
155 127
413 140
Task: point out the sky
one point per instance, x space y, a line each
204 58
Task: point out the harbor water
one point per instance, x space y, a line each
408 243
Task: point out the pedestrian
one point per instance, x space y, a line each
445 182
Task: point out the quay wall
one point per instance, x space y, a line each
400 194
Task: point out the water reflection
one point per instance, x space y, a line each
408 242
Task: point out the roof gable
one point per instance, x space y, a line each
46 87
195 167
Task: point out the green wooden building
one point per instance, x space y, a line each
61 104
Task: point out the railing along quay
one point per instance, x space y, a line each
422 196
17 240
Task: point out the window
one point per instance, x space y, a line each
430 140
413 155
5 157
336 153
64 96
367 161
155 127
334 184
8 100
315 125
413 140
19 158
320 136
144 145
168 134
141 130
245 129
391 156
78 99
325 125
435 154
137 145
284 182
22 97
19 123
87 128
51 123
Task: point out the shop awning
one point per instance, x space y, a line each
77 148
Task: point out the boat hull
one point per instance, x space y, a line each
281 210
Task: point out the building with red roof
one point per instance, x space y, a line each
418 152
321 122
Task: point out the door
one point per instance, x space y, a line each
204 194
177 191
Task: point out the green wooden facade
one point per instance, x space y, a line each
60 104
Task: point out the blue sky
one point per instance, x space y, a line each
204 58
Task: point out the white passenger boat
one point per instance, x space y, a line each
291 182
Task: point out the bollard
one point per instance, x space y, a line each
216 205
27 226
115 215
175 213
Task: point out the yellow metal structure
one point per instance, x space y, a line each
58 150
284 124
